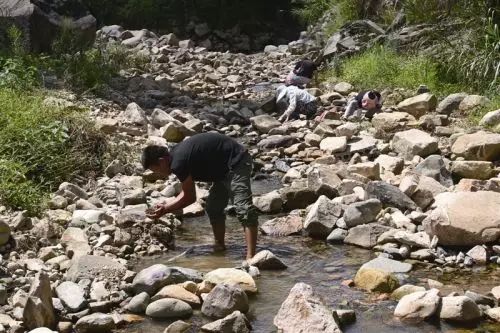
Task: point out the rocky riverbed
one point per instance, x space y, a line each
367 212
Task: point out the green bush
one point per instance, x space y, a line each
380 68
313 10
50 145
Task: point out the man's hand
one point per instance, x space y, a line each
157 211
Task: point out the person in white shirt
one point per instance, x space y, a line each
297 101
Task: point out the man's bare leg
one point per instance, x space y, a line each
219 230
251 240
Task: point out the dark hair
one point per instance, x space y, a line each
374 94
152 154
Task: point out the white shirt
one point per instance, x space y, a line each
293 94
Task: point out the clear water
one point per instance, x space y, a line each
321 265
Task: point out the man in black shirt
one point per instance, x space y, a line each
209 157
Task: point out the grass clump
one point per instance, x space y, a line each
380 68
42 146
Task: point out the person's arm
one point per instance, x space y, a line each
292 100
351 108
184 199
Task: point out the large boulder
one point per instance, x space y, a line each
324 181
322 217
471 102
71 295
169 308
419 305
362 212
232 276
39 310
435 166
414 142
480 146
492 118
472 169
419 105
393 121
459 309
41 22
465 218
303 311
365 235
236 322
269 203
223 300
450 103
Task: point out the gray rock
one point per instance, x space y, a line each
435 167
337 236
419 305
388 265
277 141
390 163
324 181
223 300
333 144
492 118
365 235
418 240
266 260
236 322
90 267
404 290
39 311
155 277
472 169
480 146
138 303
303 311
479 254
389 195
362 212
414 142
95 323
298 197
450 103
283 226
76 190
480 299
264 123
321 218
71 295
459 309
269 203
134 115
169 308
178 327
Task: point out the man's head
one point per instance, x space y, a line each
372 100
156 159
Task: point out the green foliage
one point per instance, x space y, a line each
381 68
46 146
311 11
475 116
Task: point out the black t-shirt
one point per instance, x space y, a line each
206 157
305 68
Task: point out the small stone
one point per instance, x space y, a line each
168 308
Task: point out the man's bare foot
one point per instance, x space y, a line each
219 247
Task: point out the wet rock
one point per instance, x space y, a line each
223 300
479 254
434 166
232 276
236 322
458 220
153 278
321 218
480 299
337 236
365 235
459 309
270 203
72 296
282 226
168 308
404 290
388 265
450 103
419 305
39 311
414 142
138 303
264 123
375 280
95 323
362 212
345 317
418 239
472 169
177 292
90 267
480 146
178 327
333 144
266 260
389 195
303 311
419 105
